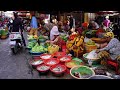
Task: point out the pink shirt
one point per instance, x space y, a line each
107 23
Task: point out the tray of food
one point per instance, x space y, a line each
45 56
51 61
72 63
65 58
36 62
58 70
43 69
81 72
59 54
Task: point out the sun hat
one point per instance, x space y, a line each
55 31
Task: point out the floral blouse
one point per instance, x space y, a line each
113 48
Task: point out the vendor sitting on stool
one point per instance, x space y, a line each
55 37
112 50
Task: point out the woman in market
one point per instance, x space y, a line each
84 28
111 50
95 25
106 22
55 36
100 32
75 43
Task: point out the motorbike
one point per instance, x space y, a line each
15 41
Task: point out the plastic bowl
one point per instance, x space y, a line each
29 48
42 56
32 40
58 73
94 62
72 64
76 68
42 40
59 54
36 53
35 65
36 57
51 62
66 56
43 71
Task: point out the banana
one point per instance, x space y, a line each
80 41
118 58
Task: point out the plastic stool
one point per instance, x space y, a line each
115 64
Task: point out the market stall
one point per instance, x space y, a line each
76 55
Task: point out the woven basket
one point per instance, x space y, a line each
76 67
4 37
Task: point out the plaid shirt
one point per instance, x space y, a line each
113 47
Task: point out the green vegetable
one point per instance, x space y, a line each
39 48
30 37
41 37
3 32
82 71
77 59
31 44
64 37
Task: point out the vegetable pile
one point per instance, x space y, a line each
31 44
3 32
64 37
39 48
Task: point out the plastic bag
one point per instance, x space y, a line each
92 55
53 48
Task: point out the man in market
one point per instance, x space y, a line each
72 22
111 50
34 26
17 25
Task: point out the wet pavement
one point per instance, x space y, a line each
17 66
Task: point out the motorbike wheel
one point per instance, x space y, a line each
13 50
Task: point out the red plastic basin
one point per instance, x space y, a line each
42 56
69 58
63 67
59 54
51 61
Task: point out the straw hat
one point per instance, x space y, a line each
109 34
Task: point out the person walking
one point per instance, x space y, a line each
17 26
